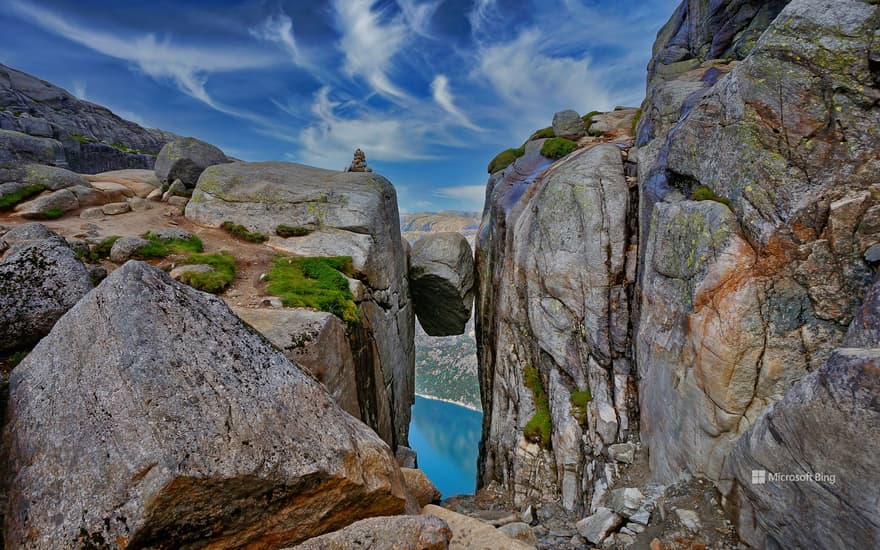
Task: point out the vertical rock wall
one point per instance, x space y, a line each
554 302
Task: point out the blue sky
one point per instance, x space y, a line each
430 89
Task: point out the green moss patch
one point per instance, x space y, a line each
287 231
317 283
241 232
215 281
159 248
505 158
52 213
556 148
636 120
9 200
579 401
83 139
543 133
705 193
539 427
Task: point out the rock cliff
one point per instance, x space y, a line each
341 214
717 287
87 138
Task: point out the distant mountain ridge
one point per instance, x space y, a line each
419 224
93 138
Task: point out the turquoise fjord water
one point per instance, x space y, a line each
446 437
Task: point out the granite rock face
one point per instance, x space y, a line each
40 279
211 438
441 274
353 214
555 281
386 533
817 431
315 340
568 124
185 159
77 134
749 289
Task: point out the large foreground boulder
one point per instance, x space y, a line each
40 279
387 533
334 214
441 273
185 159
18 148
152 416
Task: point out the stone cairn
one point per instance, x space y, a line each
359 164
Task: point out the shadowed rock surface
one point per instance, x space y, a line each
441 274
83 136
40 279
349 214
185 159
315 340
387 533
211 438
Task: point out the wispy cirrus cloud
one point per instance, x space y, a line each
443 96
370 39
418 15
187 66
278 28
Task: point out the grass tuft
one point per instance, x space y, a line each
9 200
505 158
13 360
636 120
241 232
286 231
579 401
161 249
215 281
539 427
317 283
705 193
556 148
52 213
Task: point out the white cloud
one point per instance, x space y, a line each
187 66
79 89
480 14
469 193
418 16
369 42
279 29
332 139
534 83
443 96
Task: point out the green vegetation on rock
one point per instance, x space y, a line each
13 360
543 133
9 200
556 148
537 429
215 281
52 213
636 120
579 401
159 248
83 139
505 158
102 249
286 231
241 232
316 282
705 193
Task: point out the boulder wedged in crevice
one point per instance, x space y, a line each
441 276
